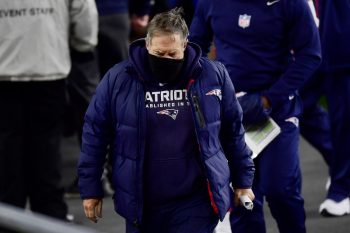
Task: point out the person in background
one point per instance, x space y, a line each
116 19
314 122
172 124
189 7
253 39
34 63
81 83
335 37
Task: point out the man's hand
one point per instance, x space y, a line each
93 208
240 192
265 102
255 108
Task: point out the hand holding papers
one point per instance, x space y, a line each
260 135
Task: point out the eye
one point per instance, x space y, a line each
160 54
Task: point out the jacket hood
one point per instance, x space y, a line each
138 57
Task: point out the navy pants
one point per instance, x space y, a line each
193 215
314 122
339 112
278 179
30 135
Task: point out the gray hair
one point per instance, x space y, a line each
170 22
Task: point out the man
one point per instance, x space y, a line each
173 127
254 39
114 28
34 62
335 36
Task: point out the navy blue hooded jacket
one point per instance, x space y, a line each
335 34
253 39
116 118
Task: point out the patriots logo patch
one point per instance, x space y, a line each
169 112
216 92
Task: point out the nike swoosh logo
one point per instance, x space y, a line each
272 2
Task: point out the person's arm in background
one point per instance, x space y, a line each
233 142
200 30
84 25
97 135
313 11
303 39
139 11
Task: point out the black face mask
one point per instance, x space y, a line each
165 70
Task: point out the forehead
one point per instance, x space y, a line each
166 42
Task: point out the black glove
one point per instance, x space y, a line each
253 109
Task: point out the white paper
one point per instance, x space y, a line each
260 135
246 202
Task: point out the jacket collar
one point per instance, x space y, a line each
138 58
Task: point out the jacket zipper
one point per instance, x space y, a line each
141 132
198 111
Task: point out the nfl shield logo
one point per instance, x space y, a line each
244 20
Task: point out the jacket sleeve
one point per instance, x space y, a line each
232 136
303 40
200 30
97 134
83 24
